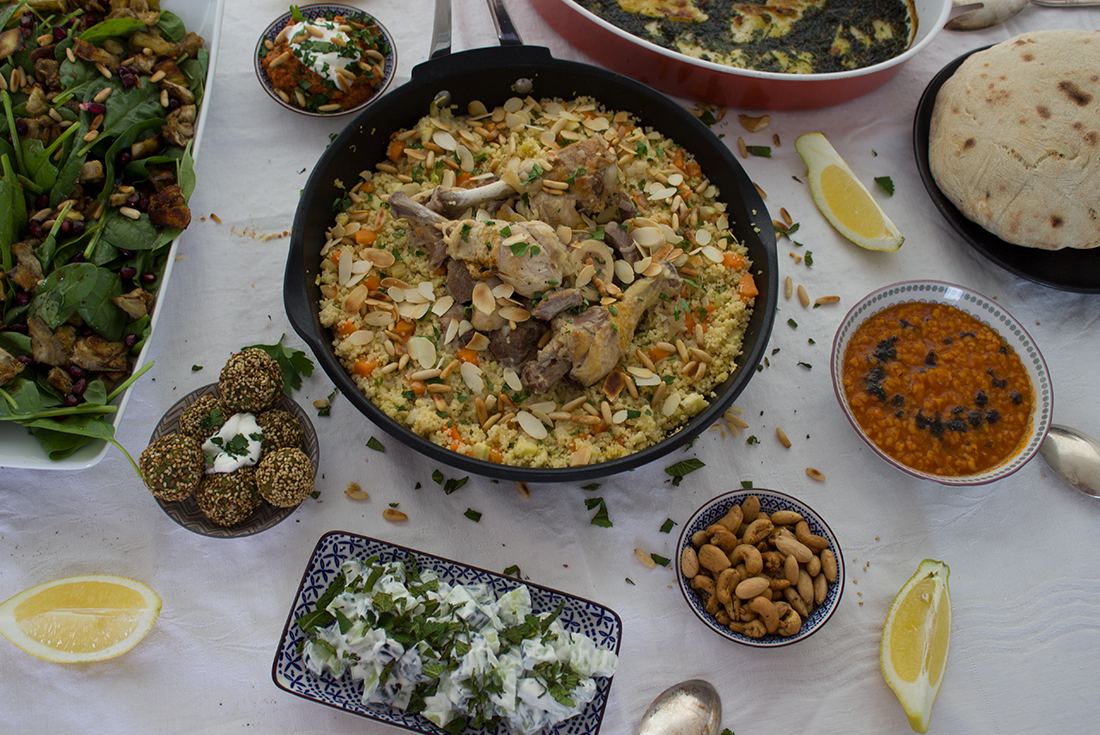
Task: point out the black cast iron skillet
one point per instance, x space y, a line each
488 75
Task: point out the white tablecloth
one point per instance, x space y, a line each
1026 632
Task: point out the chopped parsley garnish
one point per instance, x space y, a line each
464 233
683 467
453 484
512 571
601 518
660 559
376 445
591 486
580 172
886 184
536 171
806 365
746 484
196 368
808 258
763 151
326 409
473 515
752 440
666 527
792 323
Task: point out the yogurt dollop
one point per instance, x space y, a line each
237 444
320 53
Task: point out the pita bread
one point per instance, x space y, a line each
1015 139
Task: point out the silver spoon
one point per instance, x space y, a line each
1075 457
691 707
989 14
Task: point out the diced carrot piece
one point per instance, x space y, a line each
733 260
367 187
395 149
462 178
373 281
495 456
678 159
404 328
467 355
747 287
334 256
366 237
346 327
656 354
693 170
363 368
417 387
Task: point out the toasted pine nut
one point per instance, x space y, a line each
815 474
826 300
392 514
803 296
783 437
788 287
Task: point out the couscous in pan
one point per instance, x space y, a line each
492 77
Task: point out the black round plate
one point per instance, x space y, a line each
187 513
1068 270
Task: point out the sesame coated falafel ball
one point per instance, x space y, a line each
227 498
250 381
203 418
284 477
281 429
172 466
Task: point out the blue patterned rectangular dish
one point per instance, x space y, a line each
599 623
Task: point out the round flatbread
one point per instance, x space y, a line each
1015 139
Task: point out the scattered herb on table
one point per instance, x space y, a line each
746 484
513 571
752 440
591 486
326 409
473 515
667 526
660 559
683 467
601 518
763 151
376 445
196 368
886 184
792 323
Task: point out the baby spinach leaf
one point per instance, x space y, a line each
195 70
138 131
129 234
185 174
67 176
125 108
84 289
100 32
13 210
171 26
75 75
9 12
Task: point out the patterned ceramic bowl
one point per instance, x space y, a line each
289 672
770 502
187 513
313 12
989 313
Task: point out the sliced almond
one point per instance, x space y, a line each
483 298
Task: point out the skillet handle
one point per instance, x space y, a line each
506 30
441 30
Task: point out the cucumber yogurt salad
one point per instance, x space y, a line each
456 654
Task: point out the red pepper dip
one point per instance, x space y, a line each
937 390
326 65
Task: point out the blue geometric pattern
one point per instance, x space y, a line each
770 501
578 615
993 316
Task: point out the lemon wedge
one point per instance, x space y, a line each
915 640
80 619
843 200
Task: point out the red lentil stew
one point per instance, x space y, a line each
937 390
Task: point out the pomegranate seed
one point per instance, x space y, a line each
78 258
127 81
148 277
66 227
21 126
78 227
76 371
35 228
126 253
22 298
87 332
25 359
59 33
143 204
42 202
93 108
132 200
130 340
124 158
173 103
72 401
20 327
127 273
80 386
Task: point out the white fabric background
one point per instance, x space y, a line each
1026 591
